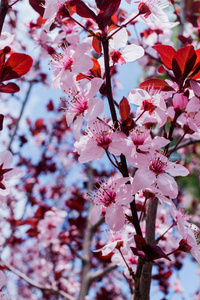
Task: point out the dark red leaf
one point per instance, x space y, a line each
156 84
96 44
10 88
17 65
36 5
106 3
140 242
82 9
124 109
166 54
127 125
81 76
195 74
108 8
96 70
183 61
154 252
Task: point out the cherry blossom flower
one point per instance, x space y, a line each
69 33
120 52
50 12
155 170
83 104
153 9
73 61
189 231
191 116
152 107
100 137
116 239
7 173
109 201
141 140
48 227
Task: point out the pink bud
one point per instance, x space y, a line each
179 101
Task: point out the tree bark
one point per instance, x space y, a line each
144 269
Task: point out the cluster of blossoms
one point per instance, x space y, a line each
144 142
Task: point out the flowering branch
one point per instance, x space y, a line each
35 284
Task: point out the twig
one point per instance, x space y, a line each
102 272
4 7
21 113
35 284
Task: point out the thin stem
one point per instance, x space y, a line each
3 12
140 116
21 113
170 152
90 31
35 284
129 268
105 44
158 239
124 25
143 210
107 153
14 3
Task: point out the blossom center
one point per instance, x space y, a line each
157 165
102 133
138 136
106 196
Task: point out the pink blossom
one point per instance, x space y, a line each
48 227
115 239
141 140
73 61
7 173
109 201
152 107
191 116
155 170
50 12
189 231
83 104
154 10
69 33
120 52
100 137
179 101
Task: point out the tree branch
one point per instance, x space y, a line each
4 7
35 284
86 252
21 113
102 272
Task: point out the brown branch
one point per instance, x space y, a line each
86 252
35 284
184 144
102 272
143 282
4 7
21 113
